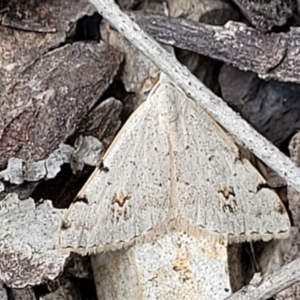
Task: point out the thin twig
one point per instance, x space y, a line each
287 276
241 131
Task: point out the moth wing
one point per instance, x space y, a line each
129 195
217 191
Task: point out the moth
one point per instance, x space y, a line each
172 168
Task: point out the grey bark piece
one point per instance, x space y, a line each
58 89
264 15
242 132
223 43
3 292
201 10
257 53
20 47
28 239
175 266
23 294
215 12
103 122
272 107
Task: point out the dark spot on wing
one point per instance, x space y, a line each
227 191
280 208
64 225
81 199
103 168
120 198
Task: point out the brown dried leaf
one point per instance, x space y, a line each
19 47
56 91
103 122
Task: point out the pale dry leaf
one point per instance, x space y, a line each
264 15
175 266
28 242
14 171
171 167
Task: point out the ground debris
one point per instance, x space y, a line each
28 244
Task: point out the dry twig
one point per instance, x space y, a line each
271 56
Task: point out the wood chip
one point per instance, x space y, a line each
29 235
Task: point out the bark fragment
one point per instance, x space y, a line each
56 90
271 107
264 15
29 235
29 29
271 56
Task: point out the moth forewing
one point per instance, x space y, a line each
172 168
216 189
131 197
